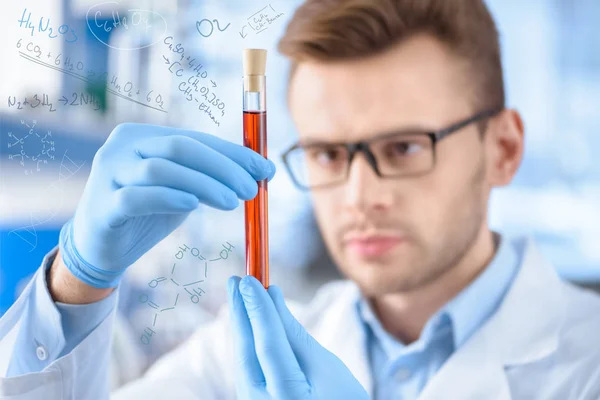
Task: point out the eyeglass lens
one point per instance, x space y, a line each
325 164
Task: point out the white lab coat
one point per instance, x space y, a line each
542 343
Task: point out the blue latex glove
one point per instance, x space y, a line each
276 357
144 182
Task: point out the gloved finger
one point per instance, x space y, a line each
188 152
303 344
277 360
247 158
161 172
197 156
135 201
317 362
249 368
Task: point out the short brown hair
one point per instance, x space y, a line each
333 30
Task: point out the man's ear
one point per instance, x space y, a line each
504 139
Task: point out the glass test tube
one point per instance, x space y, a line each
255 137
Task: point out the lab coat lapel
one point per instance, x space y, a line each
342 333
472 373
522 331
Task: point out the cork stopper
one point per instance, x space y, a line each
255 61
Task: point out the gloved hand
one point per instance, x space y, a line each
276 357
144 182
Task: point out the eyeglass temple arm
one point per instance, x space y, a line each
439 135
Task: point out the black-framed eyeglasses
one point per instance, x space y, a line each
400 154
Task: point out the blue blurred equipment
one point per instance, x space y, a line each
274 350
144 182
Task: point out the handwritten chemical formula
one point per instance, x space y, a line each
193 289
261 20
64 31
105 17
204 25
129 89
33 52
191 83
136 19
32 148
77 99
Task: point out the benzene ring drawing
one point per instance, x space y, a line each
32 148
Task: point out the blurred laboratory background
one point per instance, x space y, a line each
74 69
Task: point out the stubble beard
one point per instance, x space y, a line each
434 260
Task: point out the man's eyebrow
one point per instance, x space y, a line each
405 130
311 141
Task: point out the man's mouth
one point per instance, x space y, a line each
372 246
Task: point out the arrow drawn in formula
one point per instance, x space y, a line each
242 32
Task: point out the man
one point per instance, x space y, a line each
403 133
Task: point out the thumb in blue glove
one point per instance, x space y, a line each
277 358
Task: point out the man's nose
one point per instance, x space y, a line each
364 189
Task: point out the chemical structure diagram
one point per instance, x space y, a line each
192 289
33 148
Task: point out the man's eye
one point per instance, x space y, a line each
403 148
326 156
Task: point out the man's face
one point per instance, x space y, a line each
391 235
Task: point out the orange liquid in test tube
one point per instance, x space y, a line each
255 137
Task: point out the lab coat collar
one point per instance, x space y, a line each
531 316
525 327
524 330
